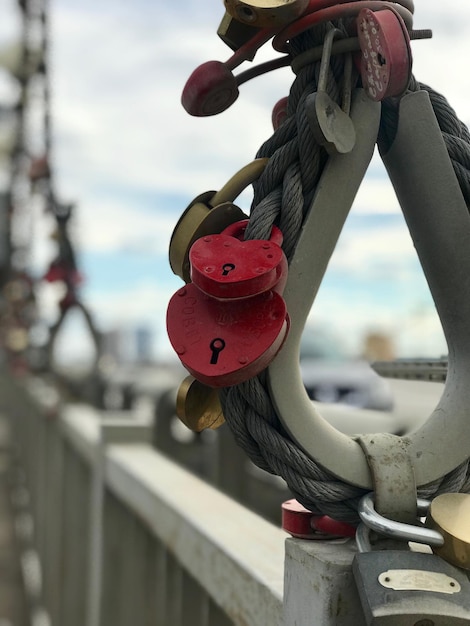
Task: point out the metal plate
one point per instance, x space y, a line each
418 580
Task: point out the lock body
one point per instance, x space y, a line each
198 406
198 220
386 60
234 33
266 13
223 343
449 514
228 268
399 587
331 126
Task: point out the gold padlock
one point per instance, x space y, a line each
266 13
209 214
235 34
449 514
198 405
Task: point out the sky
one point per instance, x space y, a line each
132 159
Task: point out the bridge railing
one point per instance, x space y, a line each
127 537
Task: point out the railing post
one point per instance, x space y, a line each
123 429
319 587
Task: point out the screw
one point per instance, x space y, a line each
246 14
424 33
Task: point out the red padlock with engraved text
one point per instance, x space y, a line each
386 58
227 267
225 342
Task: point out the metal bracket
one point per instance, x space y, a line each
394 480
439 223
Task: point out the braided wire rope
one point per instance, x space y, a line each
282 195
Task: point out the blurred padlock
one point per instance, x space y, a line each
223 343
331 125
449 514
209 213
39 168
235 34
212 87
266 13
226 267
198 406
279 114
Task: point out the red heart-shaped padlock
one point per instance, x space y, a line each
226 267
225 342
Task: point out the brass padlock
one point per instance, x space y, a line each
235 34
198 405
449 513
266 13
209 214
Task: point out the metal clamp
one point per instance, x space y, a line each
438 220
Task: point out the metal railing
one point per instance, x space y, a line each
127 537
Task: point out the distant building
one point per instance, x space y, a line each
143 344
112 344
378 347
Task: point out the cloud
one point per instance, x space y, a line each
107 226
132 158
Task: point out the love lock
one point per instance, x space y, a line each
279 113
301 523
209 213
266 13
234 34
223 343
449 514
330 124
386 53
198 406
402 586
228 268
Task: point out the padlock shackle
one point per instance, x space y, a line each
393 529
427 188
239 182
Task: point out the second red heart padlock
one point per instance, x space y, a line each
225 266
225 342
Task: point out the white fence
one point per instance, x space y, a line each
126 537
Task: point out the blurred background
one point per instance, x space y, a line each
85 281
131 159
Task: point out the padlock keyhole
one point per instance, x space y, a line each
216 345
227 268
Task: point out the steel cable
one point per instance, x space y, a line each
281 196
